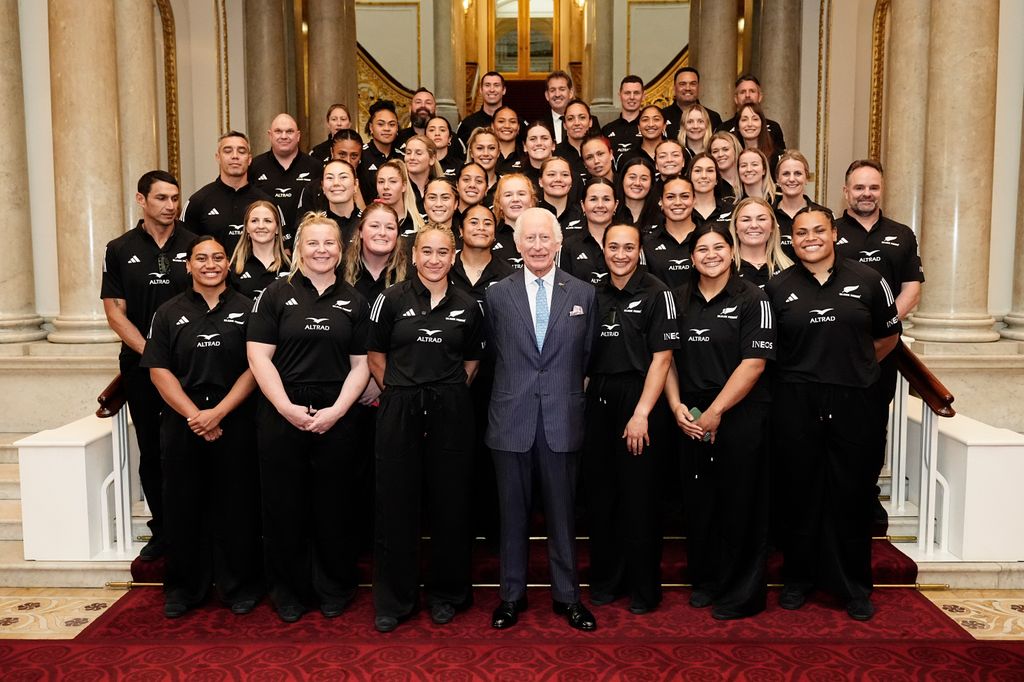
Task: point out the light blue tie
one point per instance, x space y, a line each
542 313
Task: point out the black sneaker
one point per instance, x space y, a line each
700 599
174 609
290 613
792 598
442 613
385 623
860 608
153 550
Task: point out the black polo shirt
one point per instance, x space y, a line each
667 259
286 187
580 175
826 331
505 246
571 219
203 347
624 135
495 271
672 114
478 119
721 214
254 277
370 161
369 287
786 225
583 257
314 334
757 275
451 164
774 130
637 321
889 248
738 324
323 151
424 345
219 210
349 224
132 271
513 163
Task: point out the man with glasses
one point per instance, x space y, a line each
142 269
285 173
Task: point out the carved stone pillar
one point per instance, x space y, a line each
18 319
332 60
957 213
265 61
713 36
83 78
780 57
1015 319
905 118
444 60
602 100
136 95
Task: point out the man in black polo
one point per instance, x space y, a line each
492 91
624 132
687 92
748 91
142 269
284 172
218 209
422 108
888 247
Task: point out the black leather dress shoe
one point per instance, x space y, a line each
577 614
792 597
860 608
507 613
153 550
242 607
174 609
290 613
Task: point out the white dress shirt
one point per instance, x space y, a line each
558 126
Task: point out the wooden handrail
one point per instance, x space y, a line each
112 399
934 394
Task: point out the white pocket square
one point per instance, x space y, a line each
576 310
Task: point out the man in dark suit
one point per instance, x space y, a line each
542 323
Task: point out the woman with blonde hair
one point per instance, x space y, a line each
792 172
259 257
421 165
725 150
395 190
758 255
752 166
373 260
695 129
306 344
484 149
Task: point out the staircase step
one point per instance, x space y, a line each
15 571
10 485
10 519
9 453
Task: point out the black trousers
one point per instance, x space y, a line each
725 498
622 493
145 406
485 486
211 498
423 455
883 391
825 437
310 493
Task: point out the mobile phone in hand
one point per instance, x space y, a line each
696 413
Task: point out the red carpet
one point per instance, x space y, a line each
909 639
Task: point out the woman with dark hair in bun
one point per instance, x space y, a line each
719 397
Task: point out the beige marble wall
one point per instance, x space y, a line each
958 175
904 116
18 319
83 87
332 44
136 93
265 62
713 41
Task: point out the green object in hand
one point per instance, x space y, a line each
696 413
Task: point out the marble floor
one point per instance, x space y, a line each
56 613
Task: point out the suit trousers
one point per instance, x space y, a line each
424 449
825 439
211 496
145 406
309 483
557 472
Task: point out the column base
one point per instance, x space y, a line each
1014 327
21 328
605 110
81 330
446 108
958 329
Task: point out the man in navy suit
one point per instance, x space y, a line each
542 323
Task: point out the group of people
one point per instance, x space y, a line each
383 335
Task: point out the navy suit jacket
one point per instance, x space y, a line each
551 379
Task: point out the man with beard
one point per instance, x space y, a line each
748 91
865 235
218 208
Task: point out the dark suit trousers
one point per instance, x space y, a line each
557 473
145 406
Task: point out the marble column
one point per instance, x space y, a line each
265 77
83 83
904 116
1015 319
444 59
332 60
779 61
136 95
18 319
713 42
603 102
955 227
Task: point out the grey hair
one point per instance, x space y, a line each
556 227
